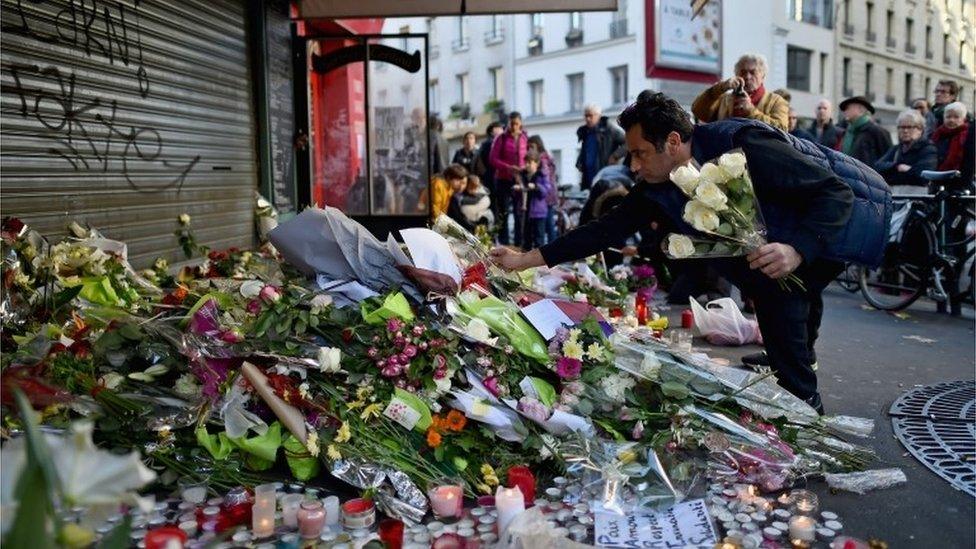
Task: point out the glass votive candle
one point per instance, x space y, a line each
358 514
290 503
391 533
311 519
804 502
263 510
332 512
193 492
446 498
803 528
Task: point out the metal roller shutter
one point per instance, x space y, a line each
125 114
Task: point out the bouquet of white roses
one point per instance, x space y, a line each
723 206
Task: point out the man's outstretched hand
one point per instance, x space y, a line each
512 260
775 260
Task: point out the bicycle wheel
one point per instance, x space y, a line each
904 272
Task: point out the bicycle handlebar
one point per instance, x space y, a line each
933 175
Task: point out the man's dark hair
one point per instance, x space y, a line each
658 116
491 127
455 171
514 114
952 85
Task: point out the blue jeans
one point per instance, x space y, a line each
551 232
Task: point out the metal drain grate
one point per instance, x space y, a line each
937 424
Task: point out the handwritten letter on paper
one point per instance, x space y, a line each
684 525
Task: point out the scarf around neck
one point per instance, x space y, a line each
852 130
957 138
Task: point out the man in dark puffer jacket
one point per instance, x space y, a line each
821 208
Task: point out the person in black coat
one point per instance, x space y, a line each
903 164
823 128
467 154
863 140
797 131
601 143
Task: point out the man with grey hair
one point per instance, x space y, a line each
903 164
601 143
743 96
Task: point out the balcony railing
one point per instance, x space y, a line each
574 38
891 43
460 44
910 49
871 36
618 28
494 36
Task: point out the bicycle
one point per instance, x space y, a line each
920 258
570 205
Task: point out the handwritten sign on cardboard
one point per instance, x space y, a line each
684 525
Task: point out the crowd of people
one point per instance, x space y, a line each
510 174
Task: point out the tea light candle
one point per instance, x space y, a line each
446 501
553 493
357 513
289 509
509 503
827 515
195 493
834 525
781 526
578 533
772 534
331 505
802 528
784 499
263 510
729 493
759 517
782 514
826 534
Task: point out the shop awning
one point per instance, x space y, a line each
331 9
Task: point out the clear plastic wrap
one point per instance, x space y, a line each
849 425
865 481
531 529
396 495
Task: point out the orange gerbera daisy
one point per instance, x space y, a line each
433 438
456 420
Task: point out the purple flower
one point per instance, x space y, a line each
638 431
372 352
231 336
643 271
212 372
647 292
568 368
491 383
389 371
204 321
533 409
394 360
399 341
410 351
394 324
402 358
254 306
440 373
440 362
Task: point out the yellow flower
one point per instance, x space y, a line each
573 349
483 488
343 435
184 219
487 469
363 392
312 443
491 480
373 410
574 334
356 404
595 352
333 452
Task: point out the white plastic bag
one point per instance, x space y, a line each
721 323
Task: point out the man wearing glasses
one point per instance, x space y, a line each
945 93
902 165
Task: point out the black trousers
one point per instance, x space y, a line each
789 319
503 200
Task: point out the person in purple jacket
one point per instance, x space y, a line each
532 207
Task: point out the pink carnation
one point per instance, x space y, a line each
394 324
568 368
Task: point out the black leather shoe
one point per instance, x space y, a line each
816 403
757 359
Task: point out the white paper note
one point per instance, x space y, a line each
684 525
546 317
396 251
431 251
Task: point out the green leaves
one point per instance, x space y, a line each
675 390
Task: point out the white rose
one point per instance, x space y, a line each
478 330
680 246
184 219
580 296
701 216
320 302
251 288
686 178
733 163
443 384
111 380
329 359
710 195
651 366
712 173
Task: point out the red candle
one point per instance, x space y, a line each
391 533
640 308
164 536
687 319
521 476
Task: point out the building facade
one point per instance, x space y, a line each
894 51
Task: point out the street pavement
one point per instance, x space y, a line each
867 359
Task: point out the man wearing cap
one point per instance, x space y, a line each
863 140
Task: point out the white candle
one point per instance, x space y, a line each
331 504
802 528
446 501
263 510
509 502
289 509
